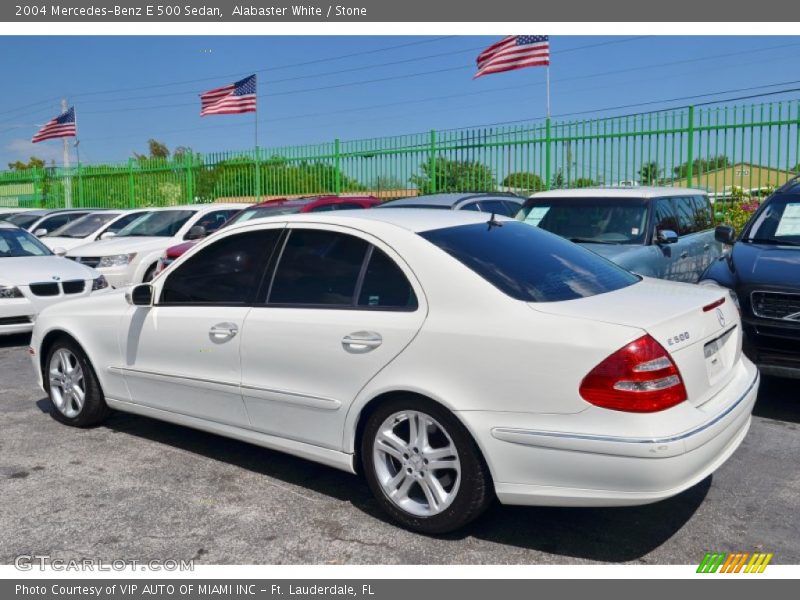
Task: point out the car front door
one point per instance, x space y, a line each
695 238
673 258
340 306
182 354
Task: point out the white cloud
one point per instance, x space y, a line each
23 149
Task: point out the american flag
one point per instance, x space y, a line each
514 52
234 99
62 126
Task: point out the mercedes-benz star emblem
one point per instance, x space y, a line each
721 318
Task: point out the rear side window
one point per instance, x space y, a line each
318 268
226 272
385 285
214 220
499 207
530 264
123 222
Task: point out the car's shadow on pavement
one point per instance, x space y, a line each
779 400
602 534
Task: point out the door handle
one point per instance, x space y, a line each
707 247
222 332
361 341
684 254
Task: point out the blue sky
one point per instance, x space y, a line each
129 89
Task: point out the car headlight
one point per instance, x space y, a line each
99 284
116 260
9 292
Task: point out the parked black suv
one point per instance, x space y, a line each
763 269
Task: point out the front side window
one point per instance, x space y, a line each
214 220
85 226
685 211
160 223
703 216
318 267
226 272
123 222
56 221
15 243
529 264
589 220
665 218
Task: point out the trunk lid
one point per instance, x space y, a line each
704 342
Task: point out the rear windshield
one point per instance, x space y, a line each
589 220
530 264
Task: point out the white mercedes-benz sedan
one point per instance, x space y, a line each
448 356
32 278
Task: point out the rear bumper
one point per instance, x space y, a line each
562 468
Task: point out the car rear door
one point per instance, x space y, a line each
183 354
339 307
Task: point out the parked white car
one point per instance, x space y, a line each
32 278
132 255
449 356
42 221
103 224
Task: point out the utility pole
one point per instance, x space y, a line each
68 176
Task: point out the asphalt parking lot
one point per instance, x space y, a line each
136 488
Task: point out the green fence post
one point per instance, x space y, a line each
38 195
690 149
188 161
433 161
80 185
258 174
547 144
337 169
131 185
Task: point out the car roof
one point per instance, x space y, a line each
620 192
43 212
198 207
451 199
416 220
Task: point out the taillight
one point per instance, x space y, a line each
641 377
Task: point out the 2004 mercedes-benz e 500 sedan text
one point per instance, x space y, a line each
448 356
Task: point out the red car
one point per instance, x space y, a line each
280 206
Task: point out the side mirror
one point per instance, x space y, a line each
666 236
196 232
140 295
725 234
107 235
59 251
40 232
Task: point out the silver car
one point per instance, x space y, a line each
659 232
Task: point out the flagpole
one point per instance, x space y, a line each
258 157
547 75
68 177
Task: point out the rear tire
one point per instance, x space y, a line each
71 384
423 466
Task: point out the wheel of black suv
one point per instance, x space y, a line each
423 466
72 385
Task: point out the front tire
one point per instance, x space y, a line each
423 466
71 384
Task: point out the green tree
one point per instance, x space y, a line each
558 181
454 176
648 173
33 163
523 181
583 182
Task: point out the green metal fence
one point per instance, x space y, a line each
727 150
